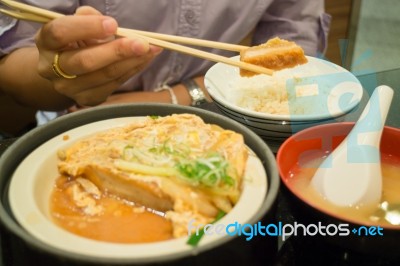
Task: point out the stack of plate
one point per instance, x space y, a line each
328 93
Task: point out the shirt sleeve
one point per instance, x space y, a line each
16 34
302 21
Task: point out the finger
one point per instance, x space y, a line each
117 74
60 33
93 58
156 50
98 95
84 96
87 10
120 72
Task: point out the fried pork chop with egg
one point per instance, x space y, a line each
175 164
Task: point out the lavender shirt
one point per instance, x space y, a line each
302 21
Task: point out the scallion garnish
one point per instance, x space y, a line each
209 172
195 238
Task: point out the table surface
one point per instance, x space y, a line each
260 250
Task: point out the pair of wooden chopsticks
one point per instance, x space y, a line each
31 13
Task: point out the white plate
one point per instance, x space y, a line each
338 90
34 179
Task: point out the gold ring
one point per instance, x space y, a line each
57 69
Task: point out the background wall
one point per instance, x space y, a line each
340 11
375 36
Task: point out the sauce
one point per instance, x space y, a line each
114 220
300 179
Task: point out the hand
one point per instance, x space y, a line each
88 49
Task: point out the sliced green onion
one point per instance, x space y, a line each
210 172
195 238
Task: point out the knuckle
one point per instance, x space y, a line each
118 51
111 72
57 31
121 49
87 61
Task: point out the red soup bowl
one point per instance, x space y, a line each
302 151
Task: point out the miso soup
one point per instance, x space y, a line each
368 215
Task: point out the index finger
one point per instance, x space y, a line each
61 32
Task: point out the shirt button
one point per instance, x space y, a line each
190 17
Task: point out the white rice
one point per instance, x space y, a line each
268 94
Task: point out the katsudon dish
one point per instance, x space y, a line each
145 181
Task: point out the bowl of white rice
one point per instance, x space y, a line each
277 106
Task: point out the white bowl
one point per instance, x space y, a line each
326 91
31 166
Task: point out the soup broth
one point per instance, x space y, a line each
300 179
104 217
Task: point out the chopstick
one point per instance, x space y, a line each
31 13
24 16
192 41
196 53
